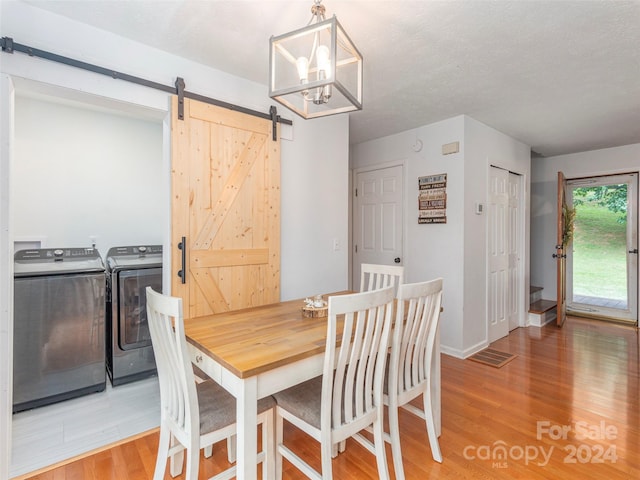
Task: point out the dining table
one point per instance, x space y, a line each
258 351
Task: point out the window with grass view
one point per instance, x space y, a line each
600 245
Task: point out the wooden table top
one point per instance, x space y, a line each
258 339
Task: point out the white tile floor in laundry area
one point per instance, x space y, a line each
48 435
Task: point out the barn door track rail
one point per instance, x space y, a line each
9 46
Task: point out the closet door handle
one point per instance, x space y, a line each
182 273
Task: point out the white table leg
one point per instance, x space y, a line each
247 443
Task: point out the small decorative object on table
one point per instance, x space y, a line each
315 307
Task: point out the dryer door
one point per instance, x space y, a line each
133 329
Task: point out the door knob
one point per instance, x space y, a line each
635 250
397 259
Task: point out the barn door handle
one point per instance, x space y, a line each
182 273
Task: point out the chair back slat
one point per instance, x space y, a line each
418 314
354 360
374 276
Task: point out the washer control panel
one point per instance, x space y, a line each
56 254
139 251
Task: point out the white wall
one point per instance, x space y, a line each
485 146
6 279
82 173
429 250
315 198
544 181
314 179
455 251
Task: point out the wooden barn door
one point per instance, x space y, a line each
225 184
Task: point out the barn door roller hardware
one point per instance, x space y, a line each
9 46
180 93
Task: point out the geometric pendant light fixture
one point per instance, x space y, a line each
316 70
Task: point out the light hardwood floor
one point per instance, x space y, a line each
566 407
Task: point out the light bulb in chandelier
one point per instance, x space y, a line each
302 64
324 63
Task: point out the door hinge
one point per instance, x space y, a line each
356 246
356 192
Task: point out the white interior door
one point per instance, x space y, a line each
506 276
377 219
498 285
514 246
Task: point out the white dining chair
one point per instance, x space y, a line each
347 398
409 363
373 276
194 415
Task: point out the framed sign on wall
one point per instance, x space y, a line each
432 199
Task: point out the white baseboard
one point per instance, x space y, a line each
462 354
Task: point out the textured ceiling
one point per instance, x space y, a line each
562 76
